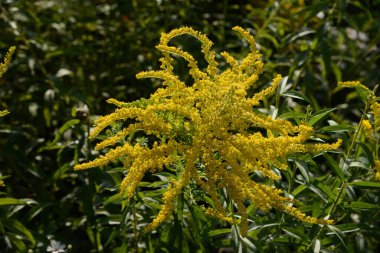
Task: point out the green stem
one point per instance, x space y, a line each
136 239
356 134
352 148
358 129
342 187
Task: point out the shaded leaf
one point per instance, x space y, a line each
362 205
334 165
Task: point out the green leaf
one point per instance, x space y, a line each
367 153
348 227
63 129
293 115
337 129
296 94
325 189
297 233
283 85
334 165
365 184
317 246
11 201
298 35
180 205
17 226
299 189
363 93
338 233
271 38
362 205
318 116
358 165
219 232
17 243
249 244
303 168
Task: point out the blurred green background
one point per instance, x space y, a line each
73 55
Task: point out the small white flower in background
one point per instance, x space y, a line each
56 247
63 72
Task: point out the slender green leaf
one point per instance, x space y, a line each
304 169
334 165
299 189
365 184
337 129
11 201
219 232
283 85
348 227
317 246
63 129
358 165
338 233
318 116
296 94
16 225
367 153
293 115
362 205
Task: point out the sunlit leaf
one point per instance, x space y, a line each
365 184
318 116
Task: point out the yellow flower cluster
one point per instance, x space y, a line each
3 113
210 123
3 68
353 84
375 106
367 129
377 170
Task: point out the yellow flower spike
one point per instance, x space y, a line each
248 37
264 93
353 84
6 61
3 68
375 106
219 215
116 102
206 45
367 129
211 129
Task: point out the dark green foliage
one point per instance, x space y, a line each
73 55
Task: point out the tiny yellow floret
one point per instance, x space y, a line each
377 170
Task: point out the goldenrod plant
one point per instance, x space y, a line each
213 129
72 56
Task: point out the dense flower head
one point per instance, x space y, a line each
212 129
